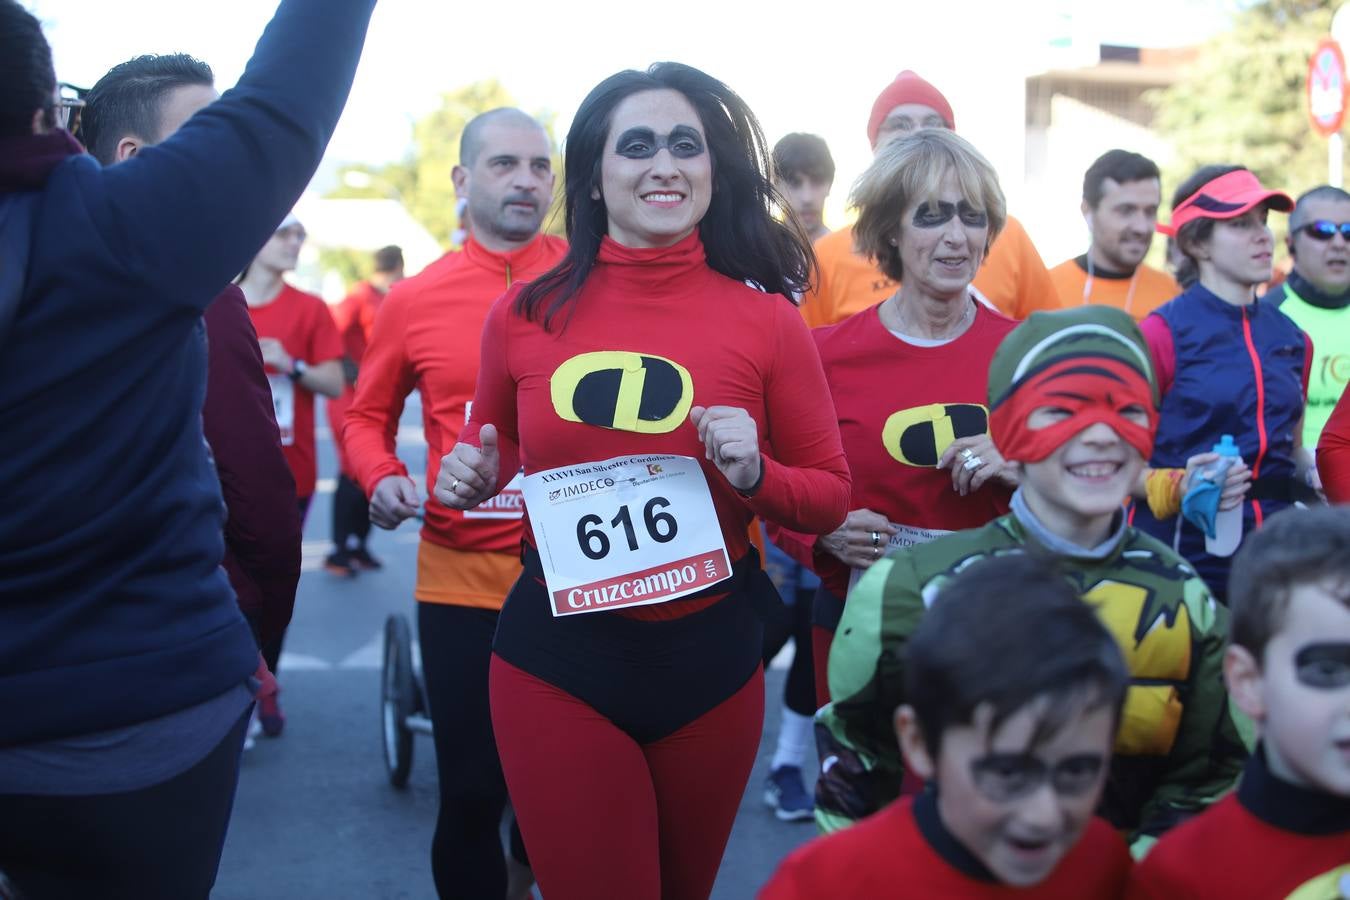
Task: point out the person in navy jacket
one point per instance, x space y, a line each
124 659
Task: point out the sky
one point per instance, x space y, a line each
802 67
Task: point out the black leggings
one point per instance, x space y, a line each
163 841
351 514
466 852
793 620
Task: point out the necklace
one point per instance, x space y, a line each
898 315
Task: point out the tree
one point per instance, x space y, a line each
1244 100
421 181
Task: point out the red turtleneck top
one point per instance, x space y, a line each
741 347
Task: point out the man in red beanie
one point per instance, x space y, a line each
1013 277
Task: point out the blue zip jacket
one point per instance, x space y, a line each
113 606
1238 371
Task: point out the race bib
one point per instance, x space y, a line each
283 404
508 504
905 536
628 531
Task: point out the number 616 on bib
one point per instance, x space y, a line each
628 531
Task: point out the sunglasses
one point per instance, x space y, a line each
1322 230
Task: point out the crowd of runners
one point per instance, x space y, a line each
1058 549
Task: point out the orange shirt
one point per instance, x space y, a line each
427 337
305 328
1139 295
1013 278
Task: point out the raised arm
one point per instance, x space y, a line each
189 213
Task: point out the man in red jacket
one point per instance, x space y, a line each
355 320
427 337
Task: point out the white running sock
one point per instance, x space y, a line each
796 736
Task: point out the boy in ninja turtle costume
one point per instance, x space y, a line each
1073 405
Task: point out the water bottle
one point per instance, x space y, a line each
1228 522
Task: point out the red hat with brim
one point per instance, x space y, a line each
1226 197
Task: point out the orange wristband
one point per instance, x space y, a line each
1162 487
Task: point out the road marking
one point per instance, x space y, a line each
371 655
300 662
368 657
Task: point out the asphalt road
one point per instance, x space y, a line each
316 817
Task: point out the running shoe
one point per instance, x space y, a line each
785 793
270 715
340 564
254 729
362 559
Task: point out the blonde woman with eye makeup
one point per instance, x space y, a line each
908 375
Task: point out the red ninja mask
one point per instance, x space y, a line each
1093 388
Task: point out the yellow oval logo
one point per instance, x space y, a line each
918 436
622 390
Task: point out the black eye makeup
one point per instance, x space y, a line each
683 142
1323 666
1004 777
934 215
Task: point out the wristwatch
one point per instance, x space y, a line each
298 369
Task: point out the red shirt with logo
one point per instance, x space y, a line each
741 348
427 336
305 328
900 406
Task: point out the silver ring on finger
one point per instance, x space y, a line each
966 454
876 539
454 487
972 463
876 552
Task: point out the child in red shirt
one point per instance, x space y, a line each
1016 695
1285 832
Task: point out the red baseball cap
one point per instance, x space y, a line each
907 88
1226 197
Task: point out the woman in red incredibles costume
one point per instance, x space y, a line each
658 403
910 375
1227 363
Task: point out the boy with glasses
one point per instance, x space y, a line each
1316 295
1016 694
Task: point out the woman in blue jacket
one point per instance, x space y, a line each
1227 363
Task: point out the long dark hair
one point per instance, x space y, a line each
1197 230
741 238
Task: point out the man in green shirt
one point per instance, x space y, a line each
1316 295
